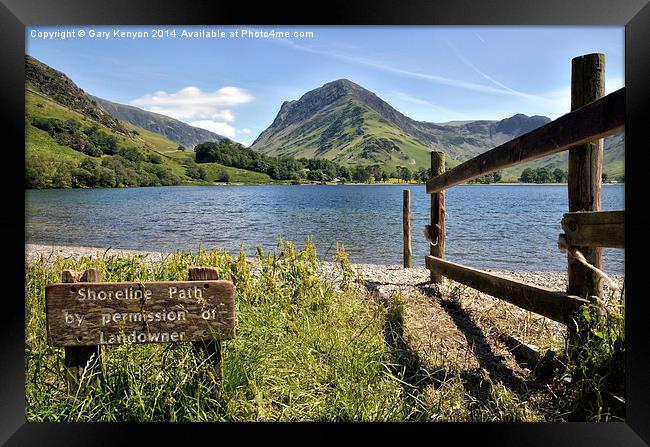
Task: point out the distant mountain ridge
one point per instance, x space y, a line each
347 123
171 128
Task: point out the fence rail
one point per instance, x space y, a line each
596 120
557 306
595 228
594 117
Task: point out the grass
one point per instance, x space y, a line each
303 350
590 377
306 350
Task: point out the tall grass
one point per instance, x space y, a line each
591 369
303 351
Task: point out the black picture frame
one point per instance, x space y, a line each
15 15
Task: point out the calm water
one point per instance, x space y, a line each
496 226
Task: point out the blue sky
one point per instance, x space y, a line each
234 85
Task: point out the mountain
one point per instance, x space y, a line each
171 128
349 124
344 122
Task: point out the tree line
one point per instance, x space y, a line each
543 175
229 153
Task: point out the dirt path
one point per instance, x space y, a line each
457 326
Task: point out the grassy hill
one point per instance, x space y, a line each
142 158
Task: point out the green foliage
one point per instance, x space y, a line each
105 142
132 167
592 367
131 153
232 154
404 173
48 171
303 352
559 175
154 158
196 172
493 177
422 174
542 175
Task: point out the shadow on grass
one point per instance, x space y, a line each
478 342
418 375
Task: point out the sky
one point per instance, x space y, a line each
232 80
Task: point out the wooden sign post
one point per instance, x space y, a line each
82 316
80 360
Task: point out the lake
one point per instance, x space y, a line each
488 226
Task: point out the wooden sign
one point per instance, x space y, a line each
102 313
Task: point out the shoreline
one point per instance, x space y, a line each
320 184
392 275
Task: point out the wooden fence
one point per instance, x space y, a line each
593 117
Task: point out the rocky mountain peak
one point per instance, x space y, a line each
520 124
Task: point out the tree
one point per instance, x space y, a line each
527 176
131 153
180 147
404 173
559 175
196 172
222 176
361 174
542 175
343 172
423 174
154 158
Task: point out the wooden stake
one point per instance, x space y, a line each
438 214
406 223
585 171
210 349
77 358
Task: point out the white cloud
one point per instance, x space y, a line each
191 103
224 129
245 131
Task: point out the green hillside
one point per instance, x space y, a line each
613 163
356 135
140 158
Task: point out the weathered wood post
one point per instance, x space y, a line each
77 357
585 171
437 214
210 349
406 223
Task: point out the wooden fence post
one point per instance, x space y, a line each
209 349
437 214
406 223
585 170
77 357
